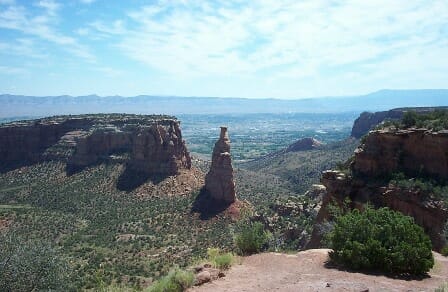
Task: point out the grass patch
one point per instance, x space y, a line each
176 281
220 260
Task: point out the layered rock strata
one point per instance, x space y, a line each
219 182
367 121
412 151
148 144
415 152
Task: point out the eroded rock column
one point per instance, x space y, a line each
219 180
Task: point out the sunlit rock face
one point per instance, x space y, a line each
219 180
412 151
415 152
149 144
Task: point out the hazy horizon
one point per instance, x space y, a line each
229 97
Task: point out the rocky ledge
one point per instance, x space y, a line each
413 152
367 121
150 144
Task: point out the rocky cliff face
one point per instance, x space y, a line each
219 180
159 149
367 121
414 152
149 144
427 212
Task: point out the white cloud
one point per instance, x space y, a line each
87 1
302 38
6 2
42 26
115 28
23 47
6 70
50 5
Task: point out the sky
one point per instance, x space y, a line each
233 48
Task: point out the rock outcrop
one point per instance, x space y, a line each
304 144
412 151
149 144
219 182
415 152
368 121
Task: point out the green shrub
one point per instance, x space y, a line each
176 281
223 261
220 260
212 253
444 251
252 238
382 240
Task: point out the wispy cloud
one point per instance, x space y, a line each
42 25
50 5
286 37
283 48
6 2
23 47
6 70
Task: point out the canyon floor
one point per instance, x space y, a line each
307 271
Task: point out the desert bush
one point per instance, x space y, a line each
176 281
252 238
382 240
223 261
444 251
219 259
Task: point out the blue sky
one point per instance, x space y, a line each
266 48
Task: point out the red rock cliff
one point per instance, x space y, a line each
414 152
150 144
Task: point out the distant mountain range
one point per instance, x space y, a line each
22 106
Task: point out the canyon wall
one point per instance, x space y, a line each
416 153
149 144
367 121
412 151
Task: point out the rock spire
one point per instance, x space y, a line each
219 180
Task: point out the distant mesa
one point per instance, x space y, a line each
149 145
368 121
219 190
304 144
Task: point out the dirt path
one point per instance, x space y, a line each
305 271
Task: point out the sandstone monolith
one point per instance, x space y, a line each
219 180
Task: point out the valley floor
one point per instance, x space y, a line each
306 271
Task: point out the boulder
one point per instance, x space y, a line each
203 277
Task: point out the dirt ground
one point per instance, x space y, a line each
306 271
